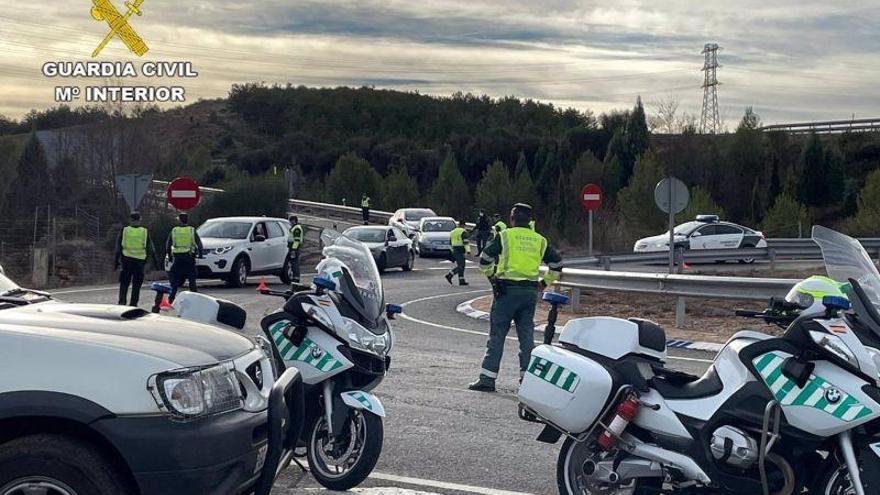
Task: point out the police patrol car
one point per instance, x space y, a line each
704 232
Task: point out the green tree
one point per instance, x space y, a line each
636 137
494 191
701 203
636 200
786 218
745 176
867 219
32 185
813 178
450 194
245 195
523 188
350 178
399 190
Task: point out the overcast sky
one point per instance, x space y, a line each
791 60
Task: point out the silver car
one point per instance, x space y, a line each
432 236
407 219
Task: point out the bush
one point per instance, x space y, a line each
786 218
867 219
350 178
266 195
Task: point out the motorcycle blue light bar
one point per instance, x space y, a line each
393 309
835 302
555 298
324 283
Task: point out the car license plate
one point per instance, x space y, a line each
261 458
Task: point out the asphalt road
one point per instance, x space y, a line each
439 437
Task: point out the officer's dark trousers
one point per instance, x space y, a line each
482 240
132 273
365 212
511 304
458 259
293 259
183 270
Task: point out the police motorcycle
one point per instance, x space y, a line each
772 415
336 333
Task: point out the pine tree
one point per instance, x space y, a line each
786 218
701 203
450 194
350 178
523 187
813 178
636 200
32 186
494 191
399 190
867 220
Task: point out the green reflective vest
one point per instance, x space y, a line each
183 239
134 242
365 202
456 237
295 236
522 250
499 226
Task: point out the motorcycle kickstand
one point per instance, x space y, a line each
773 412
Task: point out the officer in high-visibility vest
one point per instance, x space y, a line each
512 262
183 247
499 226
461 246
295 239
365 208
133 246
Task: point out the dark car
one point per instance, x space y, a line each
390 246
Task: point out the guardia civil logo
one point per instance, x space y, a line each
103 10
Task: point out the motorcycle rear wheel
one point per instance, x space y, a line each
573 480
345 466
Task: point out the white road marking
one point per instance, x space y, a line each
442 485
485 334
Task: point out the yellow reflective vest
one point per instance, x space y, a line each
183 239
295 237
134 242
522 250
458 238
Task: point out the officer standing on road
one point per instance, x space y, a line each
294 241
483 229
365 208
512 262
498 227
132 248
183 246
461 246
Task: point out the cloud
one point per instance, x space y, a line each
790 60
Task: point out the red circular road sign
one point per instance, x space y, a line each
183 193
591 197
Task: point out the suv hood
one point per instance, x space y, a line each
219 242
434 236
182 342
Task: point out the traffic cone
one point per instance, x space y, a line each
262 286
164 304
685 266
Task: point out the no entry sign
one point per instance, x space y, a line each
183 193
591 197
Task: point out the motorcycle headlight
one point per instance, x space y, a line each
223 250
835 345
365 340
191 393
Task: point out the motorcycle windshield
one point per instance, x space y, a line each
361 287
845 259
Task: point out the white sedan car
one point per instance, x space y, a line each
236 247
432 237
705 232
407 219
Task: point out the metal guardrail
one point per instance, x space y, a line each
343 212
827 127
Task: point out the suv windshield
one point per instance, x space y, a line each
414 215
367 235
438 226
225 230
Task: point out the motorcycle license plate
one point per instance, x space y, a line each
261 458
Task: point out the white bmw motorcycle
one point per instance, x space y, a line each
772 415
336 333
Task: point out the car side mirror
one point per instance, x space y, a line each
259 238
696 234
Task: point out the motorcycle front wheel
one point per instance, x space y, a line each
575 474
835 481
346 462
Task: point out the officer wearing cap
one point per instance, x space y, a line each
133 246
512 262
183 247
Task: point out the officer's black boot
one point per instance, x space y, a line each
483 384
448 278
462 281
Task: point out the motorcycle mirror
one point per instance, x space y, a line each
392 309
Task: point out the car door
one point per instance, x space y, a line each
727 237
277 242
392 246
260 250
702 238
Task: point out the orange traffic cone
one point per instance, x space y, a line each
164 304
685 266
262 286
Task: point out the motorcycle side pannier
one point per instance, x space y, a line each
565 388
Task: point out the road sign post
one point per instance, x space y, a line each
183 193
671 196
133 187
591 199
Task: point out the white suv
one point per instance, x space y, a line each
235 247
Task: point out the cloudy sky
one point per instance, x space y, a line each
791 60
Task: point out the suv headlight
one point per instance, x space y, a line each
365 340
223 250
191 393
835 345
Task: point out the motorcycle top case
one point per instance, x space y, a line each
565 388
615 337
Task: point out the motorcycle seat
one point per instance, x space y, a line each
651 335
673 386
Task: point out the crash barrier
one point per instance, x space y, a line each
337 211
777 249
676 285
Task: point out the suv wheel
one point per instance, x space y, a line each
286 274
239 273
748 261
57 465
